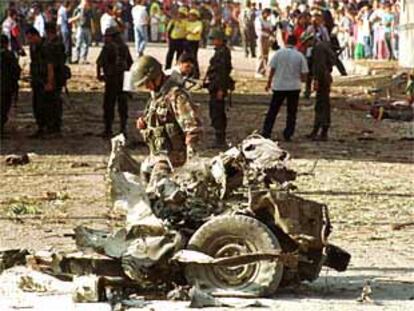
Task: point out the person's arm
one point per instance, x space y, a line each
304 69
50 85
99 61
269 79
76 17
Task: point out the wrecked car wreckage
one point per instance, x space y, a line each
229 225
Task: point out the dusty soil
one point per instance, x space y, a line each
364 173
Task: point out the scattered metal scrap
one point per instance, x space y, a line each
229 226
17 159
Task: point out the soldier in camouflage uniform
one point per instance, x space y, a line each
171 125
219 83
112 62
47 76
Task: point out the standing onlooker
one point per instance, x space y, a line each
219 83
194 30
112 62
108 19
388 20
364 30
263 29
126 17
39 20
46 70
11 29
248 34
64 28
288 67
141 20
176 33
323 61
82 16
155 17
9 80
298 30
320 34
206 16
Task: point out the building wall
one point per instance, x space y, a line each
406 33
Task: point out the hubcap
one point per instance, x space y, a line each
236 275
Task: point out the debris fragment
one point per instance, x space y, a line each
403 225
16 159
29 284
200 299
79 164
12 257
85 288
366 293
179 293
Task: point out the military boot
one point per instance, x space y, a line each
220 141
324 134
314 134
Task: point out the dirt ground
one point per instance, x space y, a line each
364 173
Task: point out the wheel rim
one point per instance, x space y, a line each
235 276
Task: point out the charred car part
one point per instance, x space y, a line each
228 224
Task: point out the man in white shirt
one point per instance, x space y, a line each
39 21
288 68
141 20
64 28
263 29
107 19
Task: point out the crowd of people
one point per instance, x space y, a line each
362 28
311 37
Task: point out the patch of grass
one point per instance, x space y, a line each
24 207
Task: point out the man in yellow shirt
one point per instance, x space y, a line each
194 30
176 33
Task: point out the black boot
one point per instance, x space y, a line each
220 141
324 134
314 134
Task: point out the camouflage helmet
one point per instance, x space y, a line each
145 69
217 33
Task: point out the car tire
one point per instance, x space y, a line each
230 235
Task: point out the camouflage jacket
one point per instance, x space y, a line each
219 69
173 123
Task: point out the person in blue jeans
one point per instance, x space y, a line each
141 20
288 68
83 19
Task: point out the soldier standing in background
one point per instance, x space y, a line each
112 62
324 59
171 125
9 83
219 83
47 76
248 34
